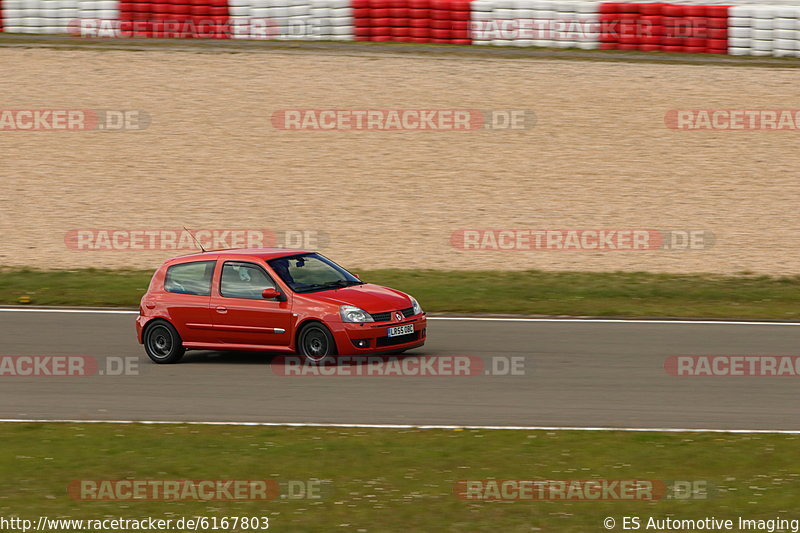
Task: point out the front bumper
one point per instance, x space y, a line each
372 337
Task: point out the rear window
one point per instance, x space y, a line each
190 278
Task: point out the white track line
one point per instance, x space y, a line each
465 318
401 426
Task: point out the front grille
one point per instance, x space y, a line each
401 339
387 316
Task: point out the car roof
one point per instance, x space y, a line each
260 253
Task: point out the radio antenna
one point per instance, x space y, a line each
195 239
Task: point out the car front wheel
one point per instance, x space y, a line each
162 343
315 342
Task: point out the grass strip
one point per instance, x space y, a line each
532 292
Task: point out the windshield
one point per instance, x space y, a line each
312 272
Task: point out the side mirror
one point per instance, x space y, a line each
357 276
270 293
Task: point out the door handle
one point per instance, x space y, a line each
221 310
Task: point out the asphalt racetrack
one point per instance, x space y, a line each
576 374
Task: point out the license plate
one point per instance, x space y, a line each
401 330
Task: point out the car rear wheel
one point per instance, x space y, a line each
162 343
315 342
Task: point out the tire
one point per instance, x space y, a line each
162 343
315 342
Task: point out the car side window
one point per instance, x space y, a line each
244 280
190 278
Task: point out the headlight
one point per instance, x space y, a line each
417 307
351 313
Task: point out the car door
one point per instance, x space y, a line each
241 315
187 296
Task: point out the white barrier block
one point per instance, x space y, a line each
785 34
737 42
763 35
763 23
740 32
759 45
744 11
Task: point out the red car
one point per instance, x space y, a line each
276 300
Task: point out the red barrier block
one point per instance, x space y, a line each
653 20
608 46
652 8
692 10
718 34
718 23
649 47
718 44
717 11
673 10
380 34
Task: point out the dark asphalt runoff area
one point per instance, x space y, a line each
576 374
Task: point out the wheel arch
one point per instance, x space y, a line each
303 323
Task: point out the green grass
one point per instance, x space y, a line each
381 480
346 47
529 292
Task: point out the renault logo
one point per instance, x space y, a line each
398 315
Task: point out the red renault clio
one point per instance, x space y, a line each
276 300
